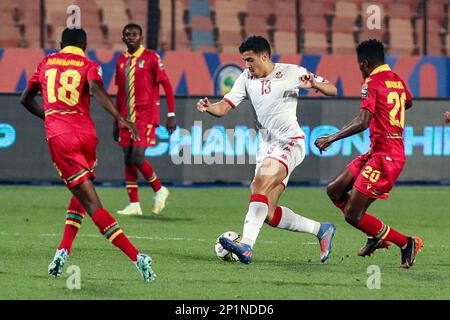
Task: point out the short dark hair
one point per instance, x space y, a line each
132 26
372 50
74 37
257 44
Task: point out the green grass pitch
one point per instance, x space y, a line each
181 240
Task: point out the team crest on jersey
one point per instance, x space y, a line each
141 63
364 90
278 75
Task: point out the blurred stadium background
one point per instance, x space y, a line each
198 41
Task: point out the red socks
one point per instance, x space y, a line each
131 182
376 228
75 215
110 229
150 176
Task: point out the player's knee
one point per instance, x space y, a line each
259 186
351 219
333 192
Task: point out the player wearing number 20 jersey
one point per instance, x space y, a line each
372 175
384 95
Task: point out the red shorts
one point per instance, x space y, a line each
147 133
375 175
74 156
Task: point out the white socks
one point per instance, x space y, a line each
254 220
291 221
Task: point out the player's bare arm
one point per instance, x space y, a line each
171 123
28 101
309 82
218 109
357 125
102 96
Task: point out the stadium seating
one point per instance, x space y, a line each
311 27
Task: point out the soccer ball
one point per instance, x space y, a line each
225 254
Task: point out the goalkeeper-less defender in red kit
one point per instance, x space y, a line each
371 176
139 74
66 79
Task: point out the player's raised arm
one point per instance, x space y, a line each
218 109
102 96
357 125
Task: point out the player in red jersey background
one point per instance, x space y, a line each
371 176
66 79
139 73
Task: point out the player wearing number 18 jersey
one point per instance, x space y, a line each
66 79
371 176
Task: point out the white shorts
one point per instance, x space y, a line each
290 154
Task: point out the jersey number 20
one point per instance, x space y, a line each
66 86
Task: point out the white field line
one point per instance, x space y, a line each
2 233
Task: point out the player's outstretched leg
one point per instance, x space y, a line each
337 191
285 218
254 220
356 215
110 229
74 218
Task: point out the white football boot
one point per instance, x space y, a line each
160 200
133 209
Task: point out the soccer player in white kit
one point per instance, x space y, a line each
273 91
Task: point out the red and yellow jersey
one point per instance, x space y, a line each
63 78
138 76
385 94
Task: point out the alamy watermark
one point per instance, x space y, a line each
373 21
374 279
73 282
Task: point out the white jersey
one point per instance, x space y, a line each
274 99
